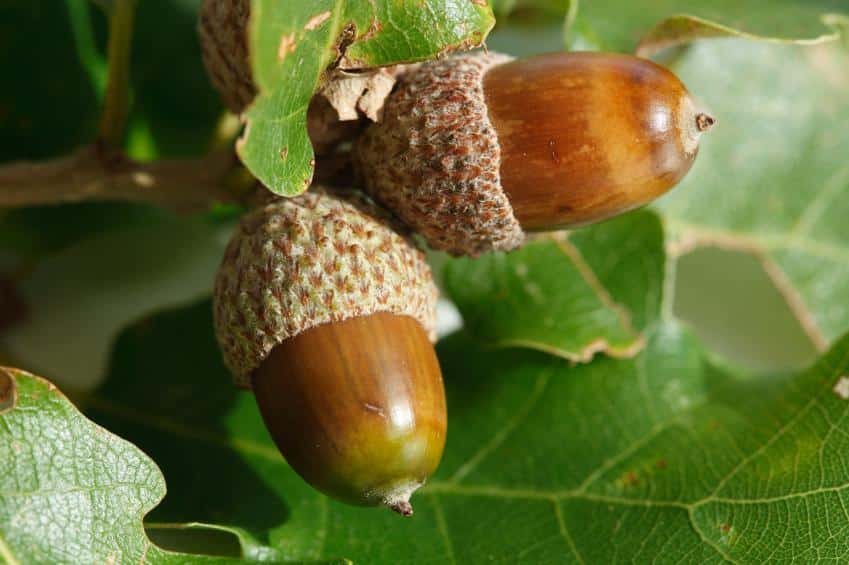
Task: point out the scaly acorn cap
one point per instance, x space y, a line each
299 262
440 158
222 27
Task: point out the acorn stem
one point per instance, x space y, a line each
402 507
704 121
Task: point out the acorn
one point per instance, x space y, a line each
474 150
328 314
222 30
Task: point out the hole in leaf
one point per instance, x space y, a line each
199 540
733 305
7 391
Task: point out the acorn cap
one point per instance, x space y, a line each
222 27
296 263
439 158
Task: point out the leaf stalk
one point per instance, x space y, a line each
116 102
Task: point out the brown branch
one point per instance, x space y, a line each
92 174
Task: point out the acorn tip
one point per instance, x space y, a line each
402 507
704 121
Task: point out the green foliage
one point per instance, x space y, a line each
173 97
573 297
352 35
659 449
29 105
555 8
621 26
70 490
73 492
663 450
109 280
773 176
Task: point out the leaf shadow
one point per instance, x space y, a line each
168 392
7 391
180 120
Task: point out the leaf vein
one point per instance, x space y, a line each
564 530
442 526
509 426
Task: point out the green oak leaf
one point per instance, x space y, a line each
595 290
650 26
106 5
174 101
68 489
109 279
292 43
71 492
34 123
534 8
664 456
771 176
34 233
661 454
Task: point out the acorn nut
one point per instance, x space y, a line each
328 314
476 149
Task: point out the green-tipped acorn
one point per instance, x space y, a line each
328 314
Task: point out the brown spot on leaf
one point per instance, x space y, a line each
346 38
661 464
315 21
374 28
474 40
284 152
724 528
630 479
287 45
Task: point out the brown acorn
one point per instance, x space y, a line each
222 29
474 150
328 314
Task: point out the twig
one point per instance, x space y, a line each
93 173
93 63
115 104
